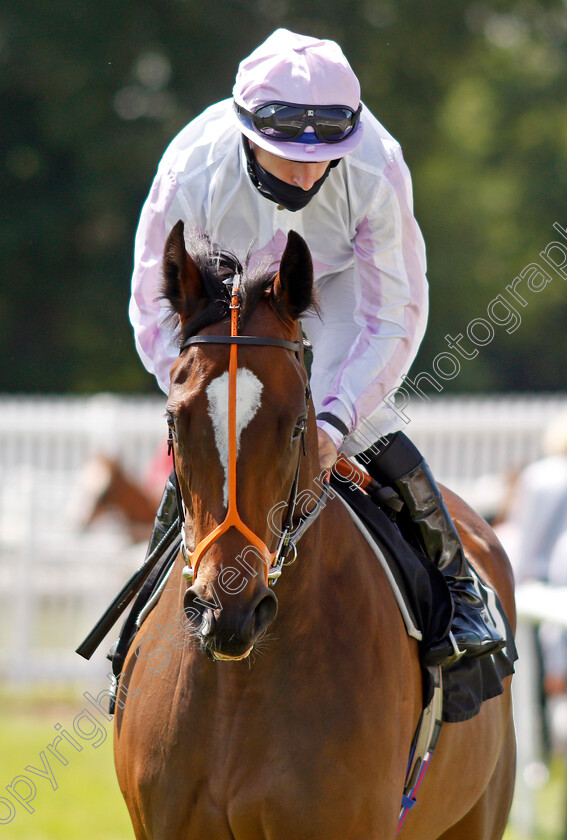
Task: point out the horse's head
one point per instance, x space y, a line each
238 416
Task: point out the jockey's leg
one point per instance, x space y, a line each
400 465
166 515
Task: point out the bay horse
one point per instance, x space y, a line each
103 487
106 486
242 716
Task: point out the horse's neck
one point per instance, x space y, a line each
133 501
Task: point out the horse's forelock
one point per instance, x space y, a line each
215 267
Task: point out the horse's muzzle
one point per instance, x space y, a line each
229 631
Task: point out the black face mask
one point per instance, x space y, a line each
290 197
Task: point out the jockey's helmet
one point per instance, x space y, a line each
298 98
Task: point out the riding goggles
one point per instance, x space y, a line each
285 121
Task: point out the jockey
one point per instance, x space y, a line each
295 148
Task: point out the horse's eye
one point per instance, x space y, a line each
299 428
170 419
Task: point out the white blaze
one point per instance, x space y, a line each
248 391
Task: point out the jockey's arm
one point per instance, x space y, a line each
390 315
148 313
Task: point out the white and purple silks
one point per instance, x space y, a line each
368 255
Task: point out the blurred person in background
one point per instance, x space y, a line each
538 508
535 537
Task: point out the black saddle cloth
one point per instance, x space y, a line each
469 682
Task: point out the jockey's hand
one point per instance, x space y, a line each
327 450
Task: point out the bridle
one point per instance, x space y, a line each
273 560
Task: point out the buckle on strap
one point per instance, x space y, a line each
408 802
285 544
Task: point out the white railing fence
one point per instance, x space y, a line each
55 580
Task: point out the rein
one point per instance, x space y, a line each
273 560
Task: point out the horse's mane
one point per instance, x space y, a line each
216 266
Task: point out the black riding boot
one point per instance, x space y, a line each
166 513
400 465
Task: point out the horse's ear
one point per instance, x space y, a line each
293 286
182 283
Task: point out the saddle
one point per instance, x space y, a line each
425 605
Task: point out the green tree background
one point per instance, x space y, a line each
92 92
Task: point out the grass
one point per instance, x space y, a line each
551 807
87 803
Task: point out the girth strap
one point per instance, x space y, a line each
423 747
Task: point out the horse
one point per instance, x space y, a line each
243 715
104 486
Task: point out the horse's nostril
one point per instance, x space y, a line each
265 611
234 629
193 607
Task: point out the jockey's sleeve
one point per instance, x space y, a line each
163 207
391 300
